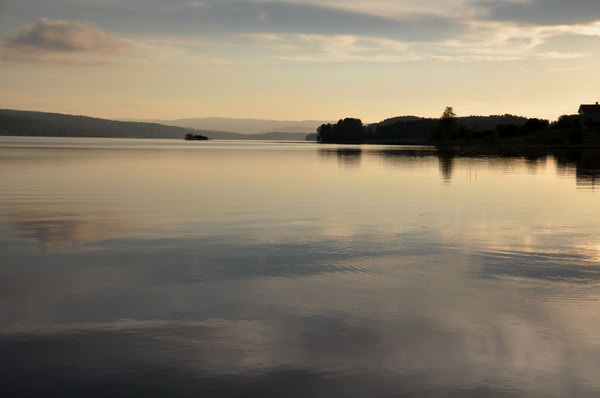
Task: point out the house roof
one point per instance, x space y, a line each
589 108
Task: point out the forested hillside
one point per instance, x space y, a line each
28 123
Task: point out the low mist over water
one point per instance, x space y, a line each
172 268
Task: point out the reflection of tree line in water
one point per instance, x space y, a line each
585 163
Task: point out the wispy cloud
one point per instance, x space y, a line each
328 47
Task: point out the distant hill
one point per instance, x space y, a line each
245 126
482 123
397 119
417 129
31 123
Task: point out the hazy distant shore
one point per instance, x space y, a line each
471 131
44 124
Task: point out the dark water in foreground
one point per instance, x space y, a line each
166 268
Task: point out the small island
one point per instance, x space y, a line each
195 137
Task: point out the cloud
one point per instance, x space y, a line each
65 42
500 44
332 48
543 12
213 18
557 55
253 32
400 9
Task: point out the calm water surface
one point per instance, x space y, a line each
167 268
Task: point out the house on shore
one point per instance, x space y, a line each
589 115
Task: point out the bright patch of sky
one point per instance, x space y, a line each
299 59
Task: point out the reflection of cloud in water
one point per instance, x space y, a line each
67 232
371 316
564 265
397 339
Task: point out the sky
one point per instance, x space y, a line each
299 59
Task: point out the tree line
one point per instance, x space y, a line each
447 128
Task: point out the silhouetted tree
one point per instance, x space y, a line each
507 130
447 127
576 135
534 124
350 129
567 122
345 130
448 118
325 133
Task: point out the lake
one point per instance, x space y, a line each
241 269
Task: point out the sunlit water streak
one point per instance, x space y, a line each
172 268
